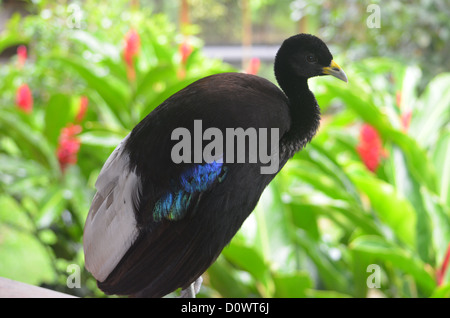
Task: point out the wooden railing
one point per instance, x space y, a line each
13 289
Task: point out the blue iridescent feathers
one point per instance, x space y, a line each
192 182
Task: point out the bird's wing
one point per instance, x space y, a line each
110 227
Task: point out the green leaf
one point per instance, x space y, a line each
399 258
441 159
249 259
95 44
13 215
18 175
99 138
356 218
51 208
10 36
331 168
440 223
361 103
390 207
163 53
332 277
418 161
312 293
32 143
410 188
293 285
433 111
411 79
274 227
223 278
153 76
309 172
112 91
359 264
24 258
57 114
305 217
442 292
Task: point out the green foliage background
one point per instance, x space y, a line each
318 226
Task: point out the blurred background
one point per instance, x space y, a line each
362 211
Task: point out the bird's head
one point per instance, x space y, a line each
305 56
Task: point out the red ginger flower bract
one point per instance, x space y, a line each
24 98
68 146
21 55
84 101
405 119
406 115
370 147
253 66
398 99
443 270
131 49
185 50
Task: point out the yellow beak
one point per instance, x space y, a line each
335 70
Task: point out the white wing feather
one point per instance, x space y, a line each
110 227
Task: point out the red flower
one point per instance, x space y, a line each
253 66
398 99
370 148
185 50
131 49
132 46
21 55
440 275
24 99
68 146
405 119
84 101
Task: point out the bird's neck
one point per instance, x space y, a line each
305 114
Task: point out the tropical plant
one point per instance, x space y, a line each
64 108
371 192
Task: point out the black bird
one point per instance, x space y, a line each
156 224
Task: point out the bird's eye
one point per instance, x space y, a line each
311 58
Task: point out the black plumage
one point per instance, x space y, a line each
180 216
